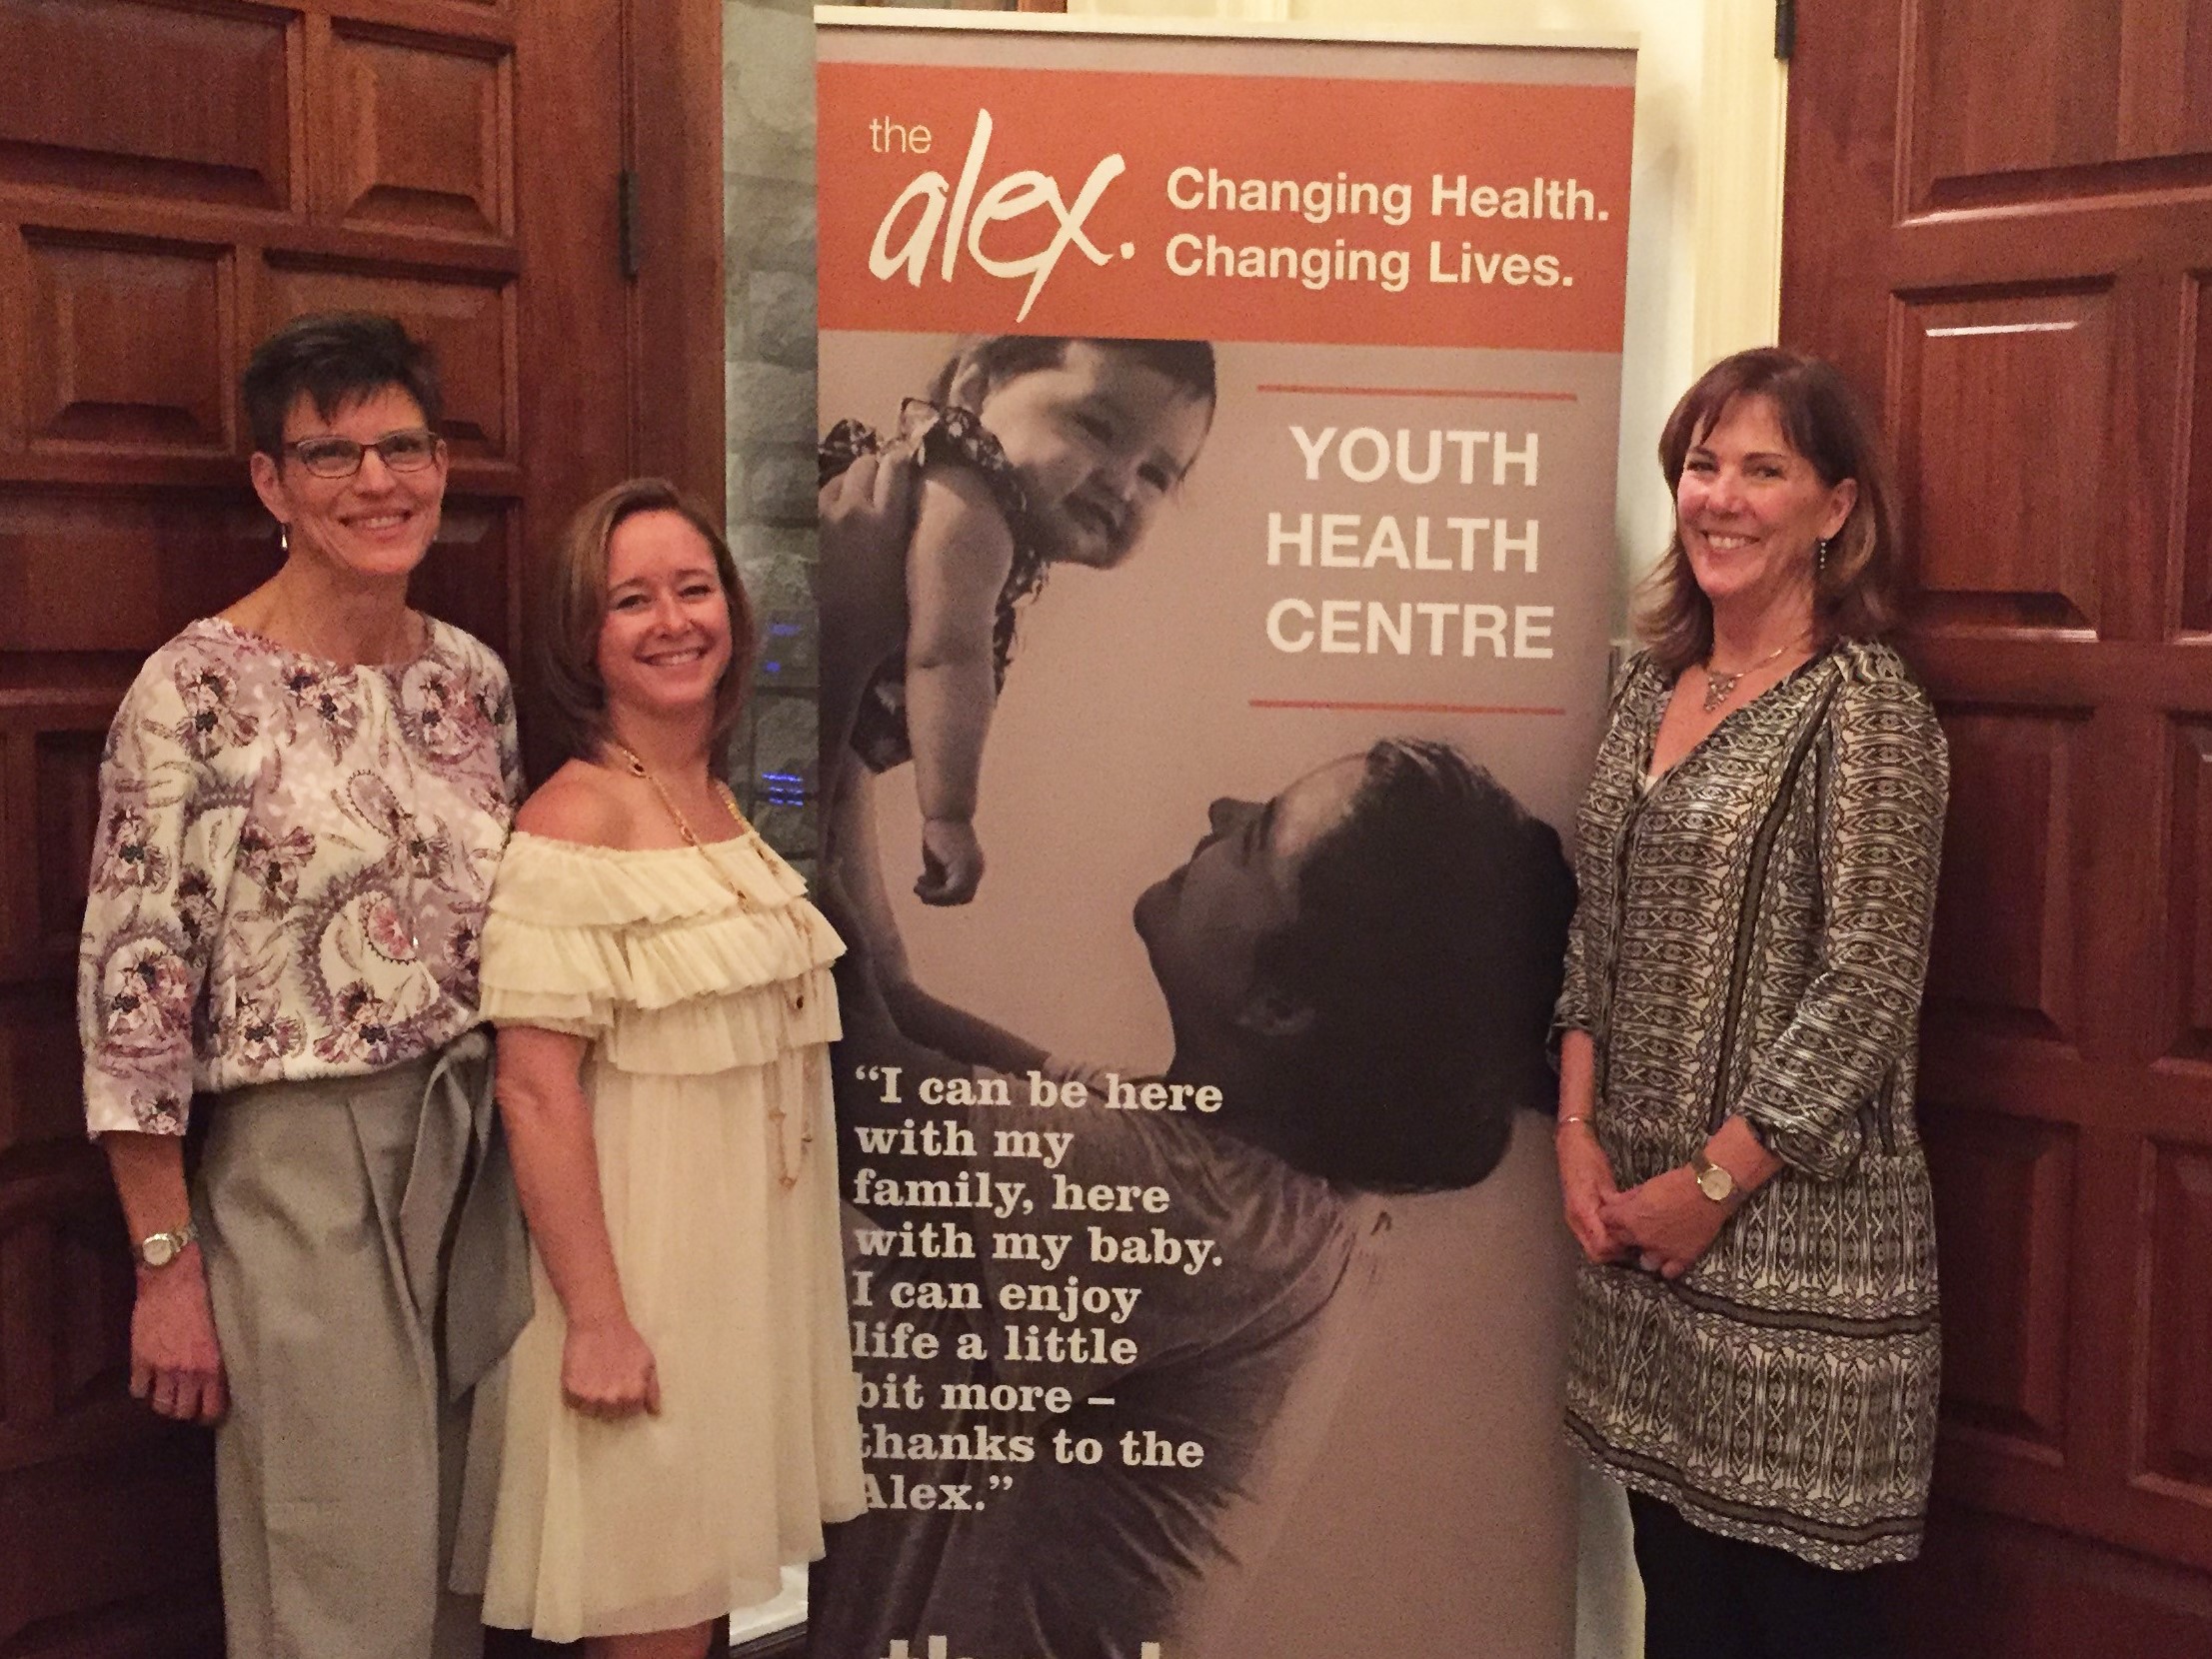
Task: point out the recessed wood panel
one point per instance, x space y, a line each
466 576
1989 96
66 776
2189 896
2004 513
162 560
2003 955
41 1068
92 1317
126 348
2177 1317
422 135
2166 81
2196 574
65 1304
469 322
2005 1195
112 95
1990 1588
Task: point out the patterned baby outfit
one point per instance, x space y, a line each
944 435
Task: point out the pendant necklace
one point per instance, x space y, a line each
1720 687
787 1168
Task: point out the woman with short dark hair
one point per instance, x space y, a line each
302 803
1755 1341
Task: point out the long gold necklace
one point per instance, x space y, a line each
787 1170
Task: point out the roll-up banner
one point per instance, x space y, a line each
1203 715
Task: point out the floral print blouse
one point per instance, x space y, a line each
291 868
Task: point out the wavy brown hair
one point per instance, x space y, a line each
1856 592
566 642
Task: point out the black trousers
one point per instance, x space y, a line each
1709 1597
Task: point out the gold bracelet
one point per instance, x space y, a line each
1573 1117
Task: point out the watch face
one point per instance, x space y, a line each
159 1250
1715 1183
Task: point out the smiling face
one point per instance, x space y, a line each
665 640
1750 509
1205 924
376 525
1099 441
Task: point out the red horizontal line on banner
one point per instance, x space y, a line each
1399 707
1429 392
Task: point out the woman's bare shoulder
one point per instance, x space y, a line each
579 803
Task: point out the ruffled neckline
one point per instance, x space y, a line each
558 882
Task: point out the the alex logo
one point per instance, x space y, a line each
963 218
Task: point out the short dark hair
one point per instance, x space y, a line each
1431 930
336 358
1003 356
1858 588
565 641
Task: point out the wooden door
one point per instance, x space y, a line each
177 177
1998 220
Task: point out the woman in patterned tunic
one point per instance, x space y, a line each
1755 1344
302 803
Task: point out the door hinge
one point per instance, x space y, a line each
1785 29
630 247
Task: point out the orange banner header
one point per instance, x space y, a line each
1419 213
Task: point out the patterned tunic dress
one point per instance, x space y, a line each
1753 939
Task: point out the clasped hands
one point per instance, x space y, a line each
1662 1225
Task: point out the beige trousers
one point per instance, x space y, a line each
329 1214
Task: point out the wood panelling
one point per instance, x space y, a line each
65 1304
2189 906
2176 1318
177 177
2004 944
2004 1224
2100 96
1991 96
2003 521
2196 553
40 1069
171 303
1996 216
471 569
147 99
65 778
1997 1589
470 319
161 563
423 134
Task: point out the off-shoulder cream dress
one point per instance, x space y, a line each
700 977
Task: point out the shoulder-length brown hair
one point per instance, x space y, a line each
1856 587
576 608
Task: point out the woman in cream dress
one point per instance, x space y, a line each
681 1418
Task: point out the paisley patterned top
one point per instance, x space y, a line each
1753 939
943 436
291 868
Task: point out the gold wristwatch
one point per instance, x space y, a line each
159 1249
1712 1181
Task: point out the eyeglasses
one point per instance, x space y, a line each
407 450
